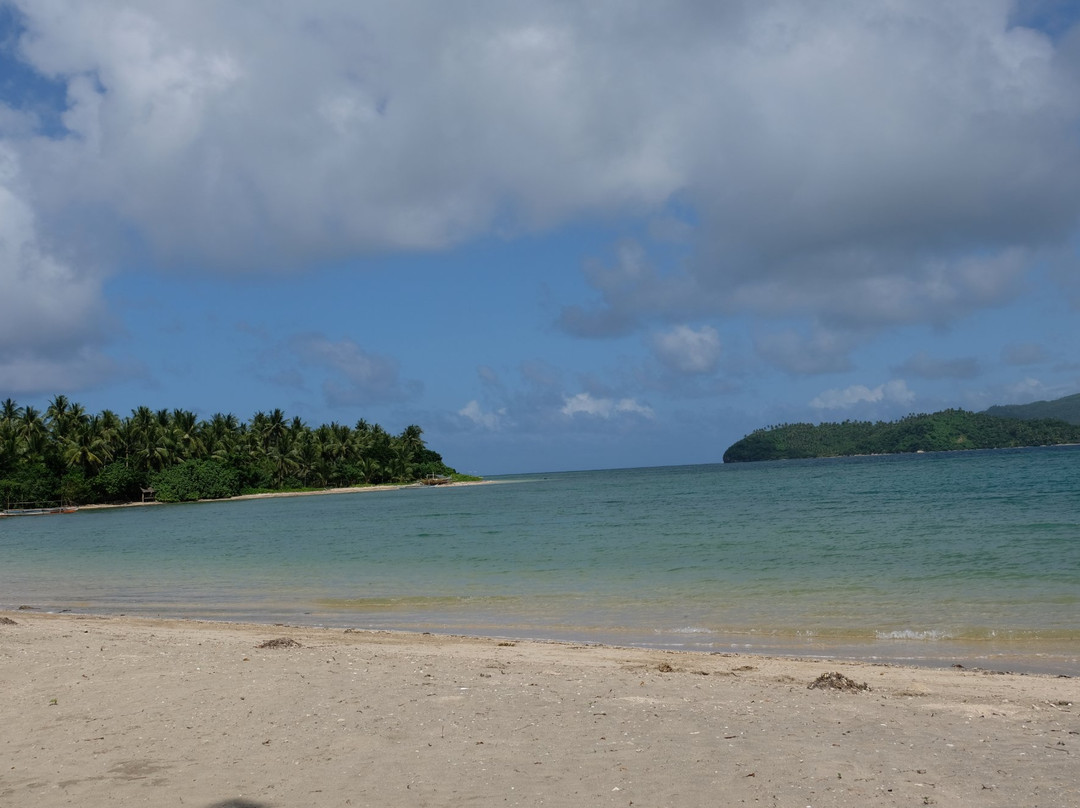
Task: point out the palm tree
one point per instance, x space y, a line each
87 448
370 468
400 467
185 435
308 457
33 435
276 428
151 448
284 459
9 411
9 446
42 453
412 440
220 436
56 413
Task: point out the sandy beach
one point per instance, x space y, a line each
358 489
122 711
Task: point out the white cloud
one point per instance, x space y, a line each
600 407
273 130
51 314
892 392
486 420
687 350
857 167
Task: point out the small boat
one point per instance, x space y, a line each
39 511
436 479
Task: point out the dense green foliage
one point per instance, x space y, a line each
66 454
939 432
1063 409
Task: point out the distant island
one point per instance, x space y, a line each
1062 409
67 455
948 430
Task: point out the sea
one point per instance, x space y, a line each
960 558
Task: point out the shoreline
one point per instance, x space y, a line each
107 710
1022 658
358 489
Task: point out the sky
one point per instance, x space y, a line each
555 235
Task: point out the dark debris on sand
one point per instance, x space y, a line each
837 681
279 642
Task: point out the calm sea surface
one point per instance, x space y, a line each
969 557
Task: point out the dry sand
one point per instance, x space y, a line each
119 711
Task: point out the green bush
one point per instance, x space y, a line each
117 482
195 479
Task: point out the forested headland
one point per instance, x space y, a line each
66 454
1062 409
943 431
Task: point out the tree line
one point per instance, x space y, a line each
67 454
947 430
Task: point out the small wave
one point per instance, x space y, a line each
691 630
909 634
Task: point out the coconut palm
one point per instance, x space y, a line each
56 414
151 446
65 448
9 411
220 436
33 434
185 435
87 448
412 441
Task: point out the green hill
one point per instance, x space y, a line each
947 430
1065 409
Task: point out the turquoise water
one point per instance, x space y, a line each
971 557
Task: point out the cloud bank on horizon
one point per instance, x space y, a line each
665 225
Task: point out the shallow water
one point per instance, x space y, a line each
937 558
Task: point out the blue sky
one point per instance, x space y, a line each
556 236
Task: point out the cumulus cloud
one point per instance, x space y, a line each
274 130
686 350
892 392
868 168
486 420
600 407
856 166
51 314
356 375
281 133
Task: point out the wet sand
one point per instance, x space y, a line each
123 711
